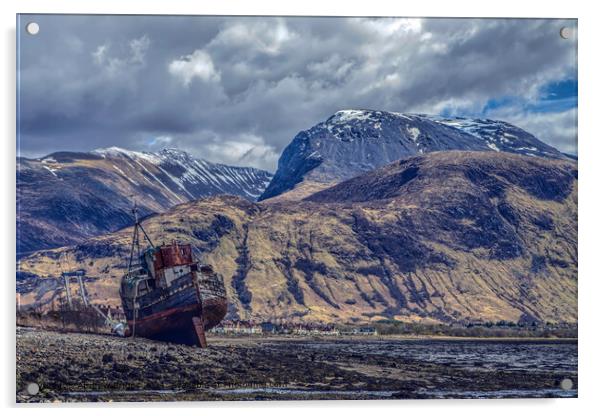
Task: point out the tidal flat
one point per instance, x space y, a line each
71 367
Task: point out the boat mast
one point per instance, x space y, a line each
136 237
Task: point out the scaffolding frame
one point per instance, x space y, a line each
78 275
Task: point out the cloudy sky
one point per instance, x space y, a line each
237 89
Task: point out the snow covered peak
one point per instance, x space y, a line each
113 150
353 141
174 152
499 135
174 173
344 116
152 157
350 125
180 172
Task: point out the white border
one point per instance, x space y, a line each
590 202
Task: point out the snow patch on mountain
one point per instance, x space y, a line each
413 132
499 135
185 177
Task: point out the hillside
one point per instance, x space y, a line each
66 197
441 237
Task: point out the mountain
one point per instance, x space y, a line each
355 141
66 197
440 237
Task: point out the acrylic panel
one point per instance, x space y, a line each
252 208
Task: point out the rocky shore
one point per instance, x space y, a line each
84 367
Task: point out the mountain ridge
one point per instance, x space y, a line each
65 197
352 142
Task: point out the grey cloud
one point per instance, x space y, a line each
236 90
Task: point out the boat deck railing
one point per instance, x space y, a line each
212 286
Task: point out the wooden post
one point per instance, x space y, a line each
199 322
67 292
82 290
199 328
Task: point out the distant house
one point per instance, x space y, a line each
369 330
237 328
364 331
316 331
290 328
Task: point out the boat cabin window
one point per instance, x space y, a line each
145 286
172 273
206 269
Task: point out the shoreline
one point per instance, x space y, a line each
275 338
289 337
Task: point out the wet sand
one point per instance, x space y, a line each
84 367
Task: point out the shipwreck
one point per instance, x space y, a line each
168 294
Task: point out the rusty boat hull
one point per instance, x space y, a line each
176 324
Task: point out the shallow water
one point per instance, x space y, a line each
305 392
498 394
554 356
